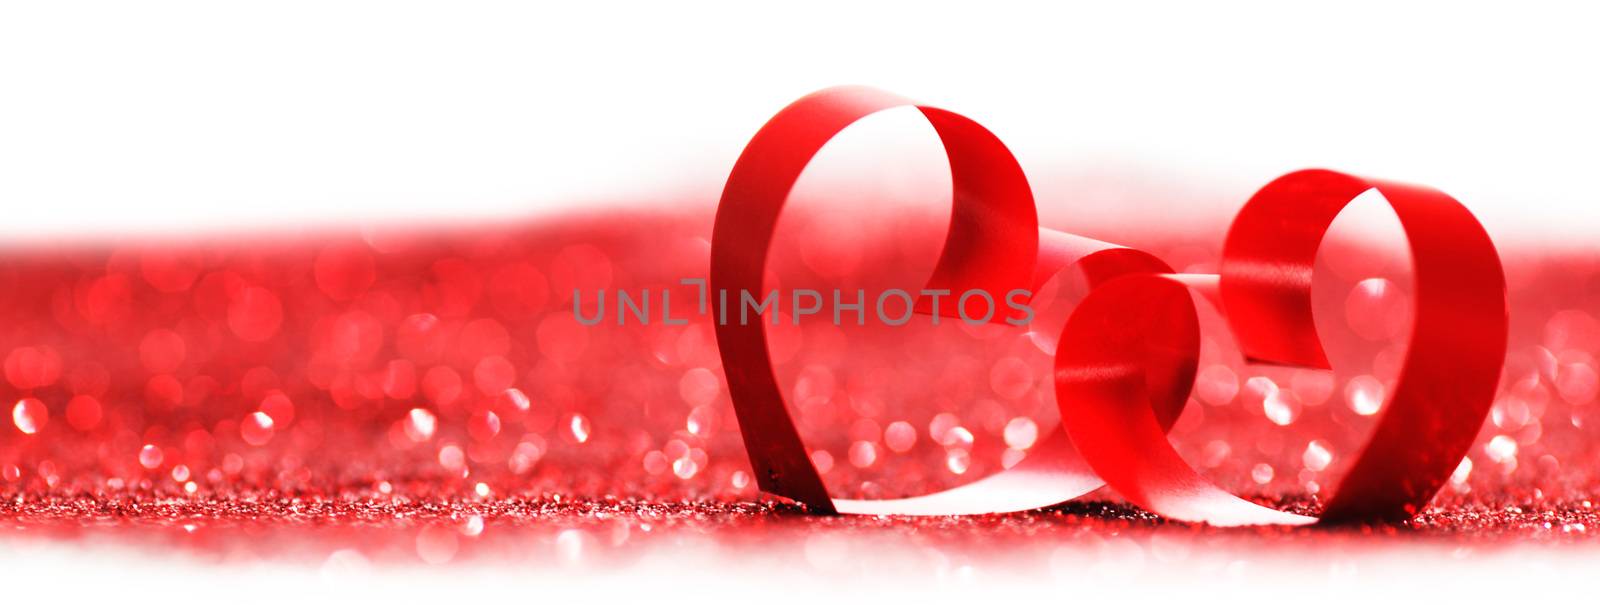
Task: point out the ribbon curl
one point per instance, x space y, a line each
1129 351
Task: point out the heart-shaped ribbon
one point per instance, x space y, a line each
1128 354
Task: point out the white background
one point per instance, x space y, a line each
122 117
128 116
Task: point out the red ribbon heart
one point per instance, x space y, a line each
1128 353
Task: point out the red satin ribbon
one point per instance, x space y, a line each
1128 353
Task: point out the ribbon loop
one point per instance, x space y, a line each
1457 345
991 245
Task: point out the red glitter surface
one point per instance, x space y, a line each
426 394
